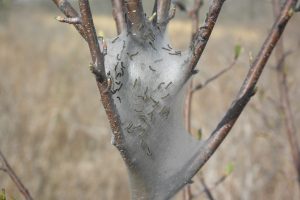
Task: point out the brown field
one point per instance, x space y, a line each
55 134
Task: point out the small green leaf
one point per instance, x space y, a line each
229 168
2 194
237 51
199 134
100 35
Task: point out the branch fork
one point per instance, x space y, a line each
142 113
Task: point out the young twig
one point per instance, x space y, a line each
66 8
203 33
13 176
286 109
206 189
188 195
171 15
163 8
214 77
187 191
136 18
119 15
135 14
194 15
247 90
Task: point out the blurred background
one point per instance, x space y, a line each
55 134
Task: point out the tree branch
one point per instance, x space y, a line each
135 14
211 188
284 98
142 169
66 8
246 92
202 35
163 7
11 173
206 189
194 14
119 15
288 117
187 191
214 77
90 32
99 71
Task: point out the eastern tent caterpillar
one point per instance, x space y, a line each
132 55
119 98
150 67
145 148
165 96
159 86
134 84
114 40
158 60
168 85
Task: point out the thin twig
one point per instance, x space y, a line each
13 176
214 77
135 14
194 15
163 7
286 109
211 188
171 14
246 92
206 189
187 191
281 59
119 15
248 88
203 33
66 8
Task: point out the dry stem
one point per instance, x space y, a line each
13 176
119 15
66 8
285 106
247 90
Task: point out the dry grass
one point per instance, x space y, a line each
56 135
